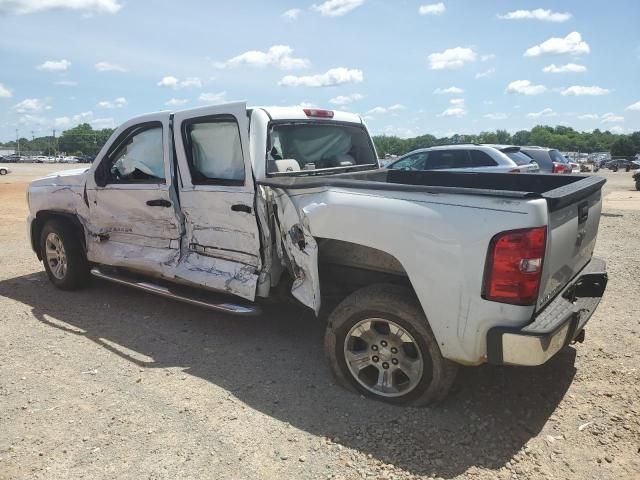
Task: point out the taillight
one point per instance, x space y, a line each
558 168
314 112
514 266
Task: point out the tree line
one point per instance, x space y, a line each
84 140
560 137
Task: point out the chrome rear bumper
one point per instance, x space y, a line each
555 326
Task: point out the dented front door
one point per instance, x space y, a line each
221 246
134 218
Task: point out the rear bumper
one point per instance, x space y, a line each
555 326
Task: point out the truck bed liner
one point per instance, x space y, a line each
557 190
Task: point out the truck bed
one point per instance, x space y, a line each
557 190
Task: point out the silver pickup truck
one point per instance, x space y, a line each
228 206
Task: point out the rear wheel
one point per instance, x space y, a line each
63 256
379 343
3 171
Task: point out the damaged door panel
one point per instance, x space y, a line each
133 217
221 245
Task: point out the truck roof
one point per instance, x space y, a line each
297 113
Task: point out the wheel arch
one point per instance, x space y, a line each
43 216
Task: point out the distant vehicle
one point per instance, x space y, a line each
575 167
626 165
550 160
4 170
636 177
12 158
467 157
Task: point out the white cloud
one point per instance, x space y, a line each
100 123
448 90
635 107
547 112
568 68
55 65
496 116
173 82
346 99
588 116
292 14
22 7
457 112
432 9
486 58
486 73
117 103
337 8
109 67
611 117
176 102
29 105
452 58
67 83
572 44
334 76
377 110
537 14
579 90
219 97
5 92
32 120
278 56
457 101
525 87
617 129
78 118
397 107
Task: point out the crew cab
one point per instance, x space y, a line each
227 207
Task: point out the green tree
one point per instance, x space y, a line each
623 147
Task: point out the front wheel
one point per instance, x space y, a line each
63 256
638 185
379 344
3 171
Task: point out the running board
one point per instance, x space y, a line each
198 300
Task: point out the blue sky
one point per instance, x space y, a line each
514 64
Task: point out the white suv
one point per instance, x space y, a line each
467 157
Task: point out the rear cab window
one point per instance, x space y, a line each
296 146
520 158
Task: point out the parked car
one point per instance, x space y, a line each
636 177
428 269
626 165
466 157
4 170
550 160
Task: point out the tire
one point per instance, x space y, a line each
638 185
3 171
394 306
75 274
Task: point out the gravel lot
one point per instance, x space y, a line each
112 383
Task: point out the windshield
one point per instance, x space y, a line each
310 146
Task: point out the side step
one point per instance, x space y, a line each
181 294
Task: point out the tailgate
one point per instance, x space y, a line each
574 216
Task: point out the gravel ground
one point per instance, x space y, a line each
112 383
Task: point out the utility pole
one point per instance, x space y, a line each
54 143
17 143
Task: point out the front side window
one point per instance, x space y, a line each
412 162
214 152
315 146
139 159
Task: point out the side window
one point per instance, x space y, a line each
445 159
214 151
412 162
138 159
556 156
481 159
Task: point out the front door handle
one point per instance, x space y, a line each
241 208
159 203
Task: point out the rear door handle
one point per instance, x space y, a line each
241 208
159 203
